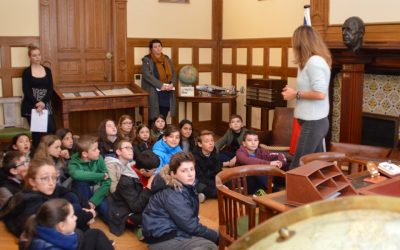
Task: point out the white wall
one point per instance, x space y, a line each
19 17
370 11
261 19
150 18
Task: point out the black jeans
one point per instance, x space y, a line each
310 140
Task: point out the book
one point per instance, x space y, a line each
389 169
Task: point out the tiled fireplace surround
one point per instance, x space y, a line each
380 84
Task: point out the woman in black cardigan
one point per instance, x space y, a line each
37 85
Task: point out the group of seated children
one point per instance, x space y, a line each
148 179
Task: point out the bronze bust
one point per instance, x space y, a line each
352 33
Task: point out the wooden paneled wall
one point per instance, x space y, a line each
7 71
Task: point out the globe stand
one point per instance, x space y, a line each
188 76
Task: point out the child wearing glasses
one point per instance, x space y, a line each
41 186
124 152
108 138
53 227
131 196
126 129
89 174
12 175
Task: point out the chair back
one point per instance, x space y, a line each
234 201
282 124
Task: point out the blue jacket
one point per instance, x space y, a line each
51 239
164 152
173 212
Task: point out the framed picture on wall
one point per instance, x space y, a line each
174 1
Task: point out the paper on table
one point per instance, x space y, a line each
39 121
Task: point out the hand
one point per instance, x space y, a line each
65 154
106 176
150 181
91 210
288 93
276 164
91 205
170 87
164 87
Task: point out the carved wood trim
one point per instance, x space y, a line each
382 35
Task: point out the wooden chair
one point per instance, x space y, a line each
11 123
234 201
278 138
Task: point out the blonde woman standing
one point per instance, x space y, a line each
312 94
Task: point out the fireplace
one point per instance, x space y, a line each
380 130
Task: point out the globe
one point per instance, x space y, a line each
188 75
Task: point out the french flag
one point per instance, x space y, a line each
307 17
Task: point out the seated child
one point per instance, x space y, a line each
167 146
53 227
171 218
12 173
50 147
143 141
108 138
250 153
126 130
87 169
144 166
22 143
231 141
41 186
158 127
67 144
115 166
207 165
131 197
187 142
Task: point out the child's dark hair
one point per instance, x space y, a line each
147 160
183 123
15 139
102 130
170 129
178 158
49 215
138 139
10 160
235 116
153 41
203 133
84 142
249 132
160 116
62 132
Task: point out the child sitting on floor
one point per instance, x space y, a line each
108 138
22 143
143 141
231 141
131 197
88 171
207 165
12 173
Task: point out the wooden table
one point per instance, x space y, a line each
74 98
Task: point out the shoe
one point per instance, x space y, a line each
112 243
138 233
260 192
202 198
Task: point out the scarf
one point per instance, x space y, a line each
163 68
63 241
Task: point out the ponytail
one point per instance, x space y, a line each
29 232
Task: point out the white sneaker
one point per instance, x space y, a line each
202 198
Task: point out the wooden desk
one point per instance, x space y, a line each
81 102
